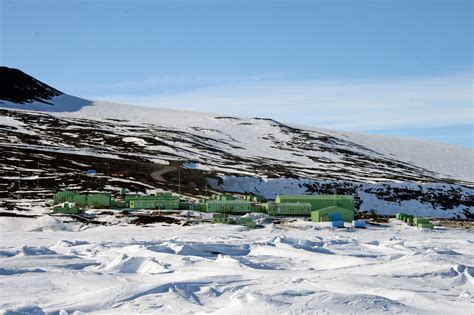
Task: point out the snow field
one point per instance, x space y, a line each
223 269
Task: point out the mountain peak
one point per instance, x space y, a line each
20 88
21 91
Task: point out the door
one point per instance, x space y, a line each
336 216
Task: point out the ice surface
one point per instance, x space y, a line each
295 268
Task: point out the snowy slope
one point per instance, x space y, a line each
254 138
65 127
452 160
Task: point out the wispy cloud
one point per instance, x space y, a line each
165 81
358 105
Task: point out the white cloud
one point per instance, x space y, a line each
341 104
158 82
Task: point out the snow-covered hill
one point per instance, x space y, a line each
57 137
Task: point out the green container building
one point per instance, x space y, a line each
229 206
154 204
165 201
422 223
319 201
289 209
258 207
220 218
425 225
200 206
400 216
333 213
63 196
248 222
99 200
70 196
142 204
117 204
419 220
80 200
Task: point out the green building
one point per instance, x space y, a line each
319 201
229 206
259 207
333 213
70 196
248 222
409 219
99 200
199 206
400 216
425 225
117 204
417 220
289 209
422 223
221 218
165 201
96 200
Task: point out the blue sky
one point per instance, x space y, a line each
387 67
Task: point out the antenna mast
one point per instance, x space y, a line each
179 181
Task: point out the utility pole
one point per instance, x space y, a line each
179 181
19 175
38 179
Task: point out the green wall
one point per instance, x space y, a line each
294 208
229 206
319 201
333 213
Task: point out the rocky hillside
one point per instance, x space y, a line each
49 140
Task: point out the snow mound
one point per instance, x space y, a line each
17 271
304 244
126 264
43 223
67 243
33 251
209 250
27 309
371 304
